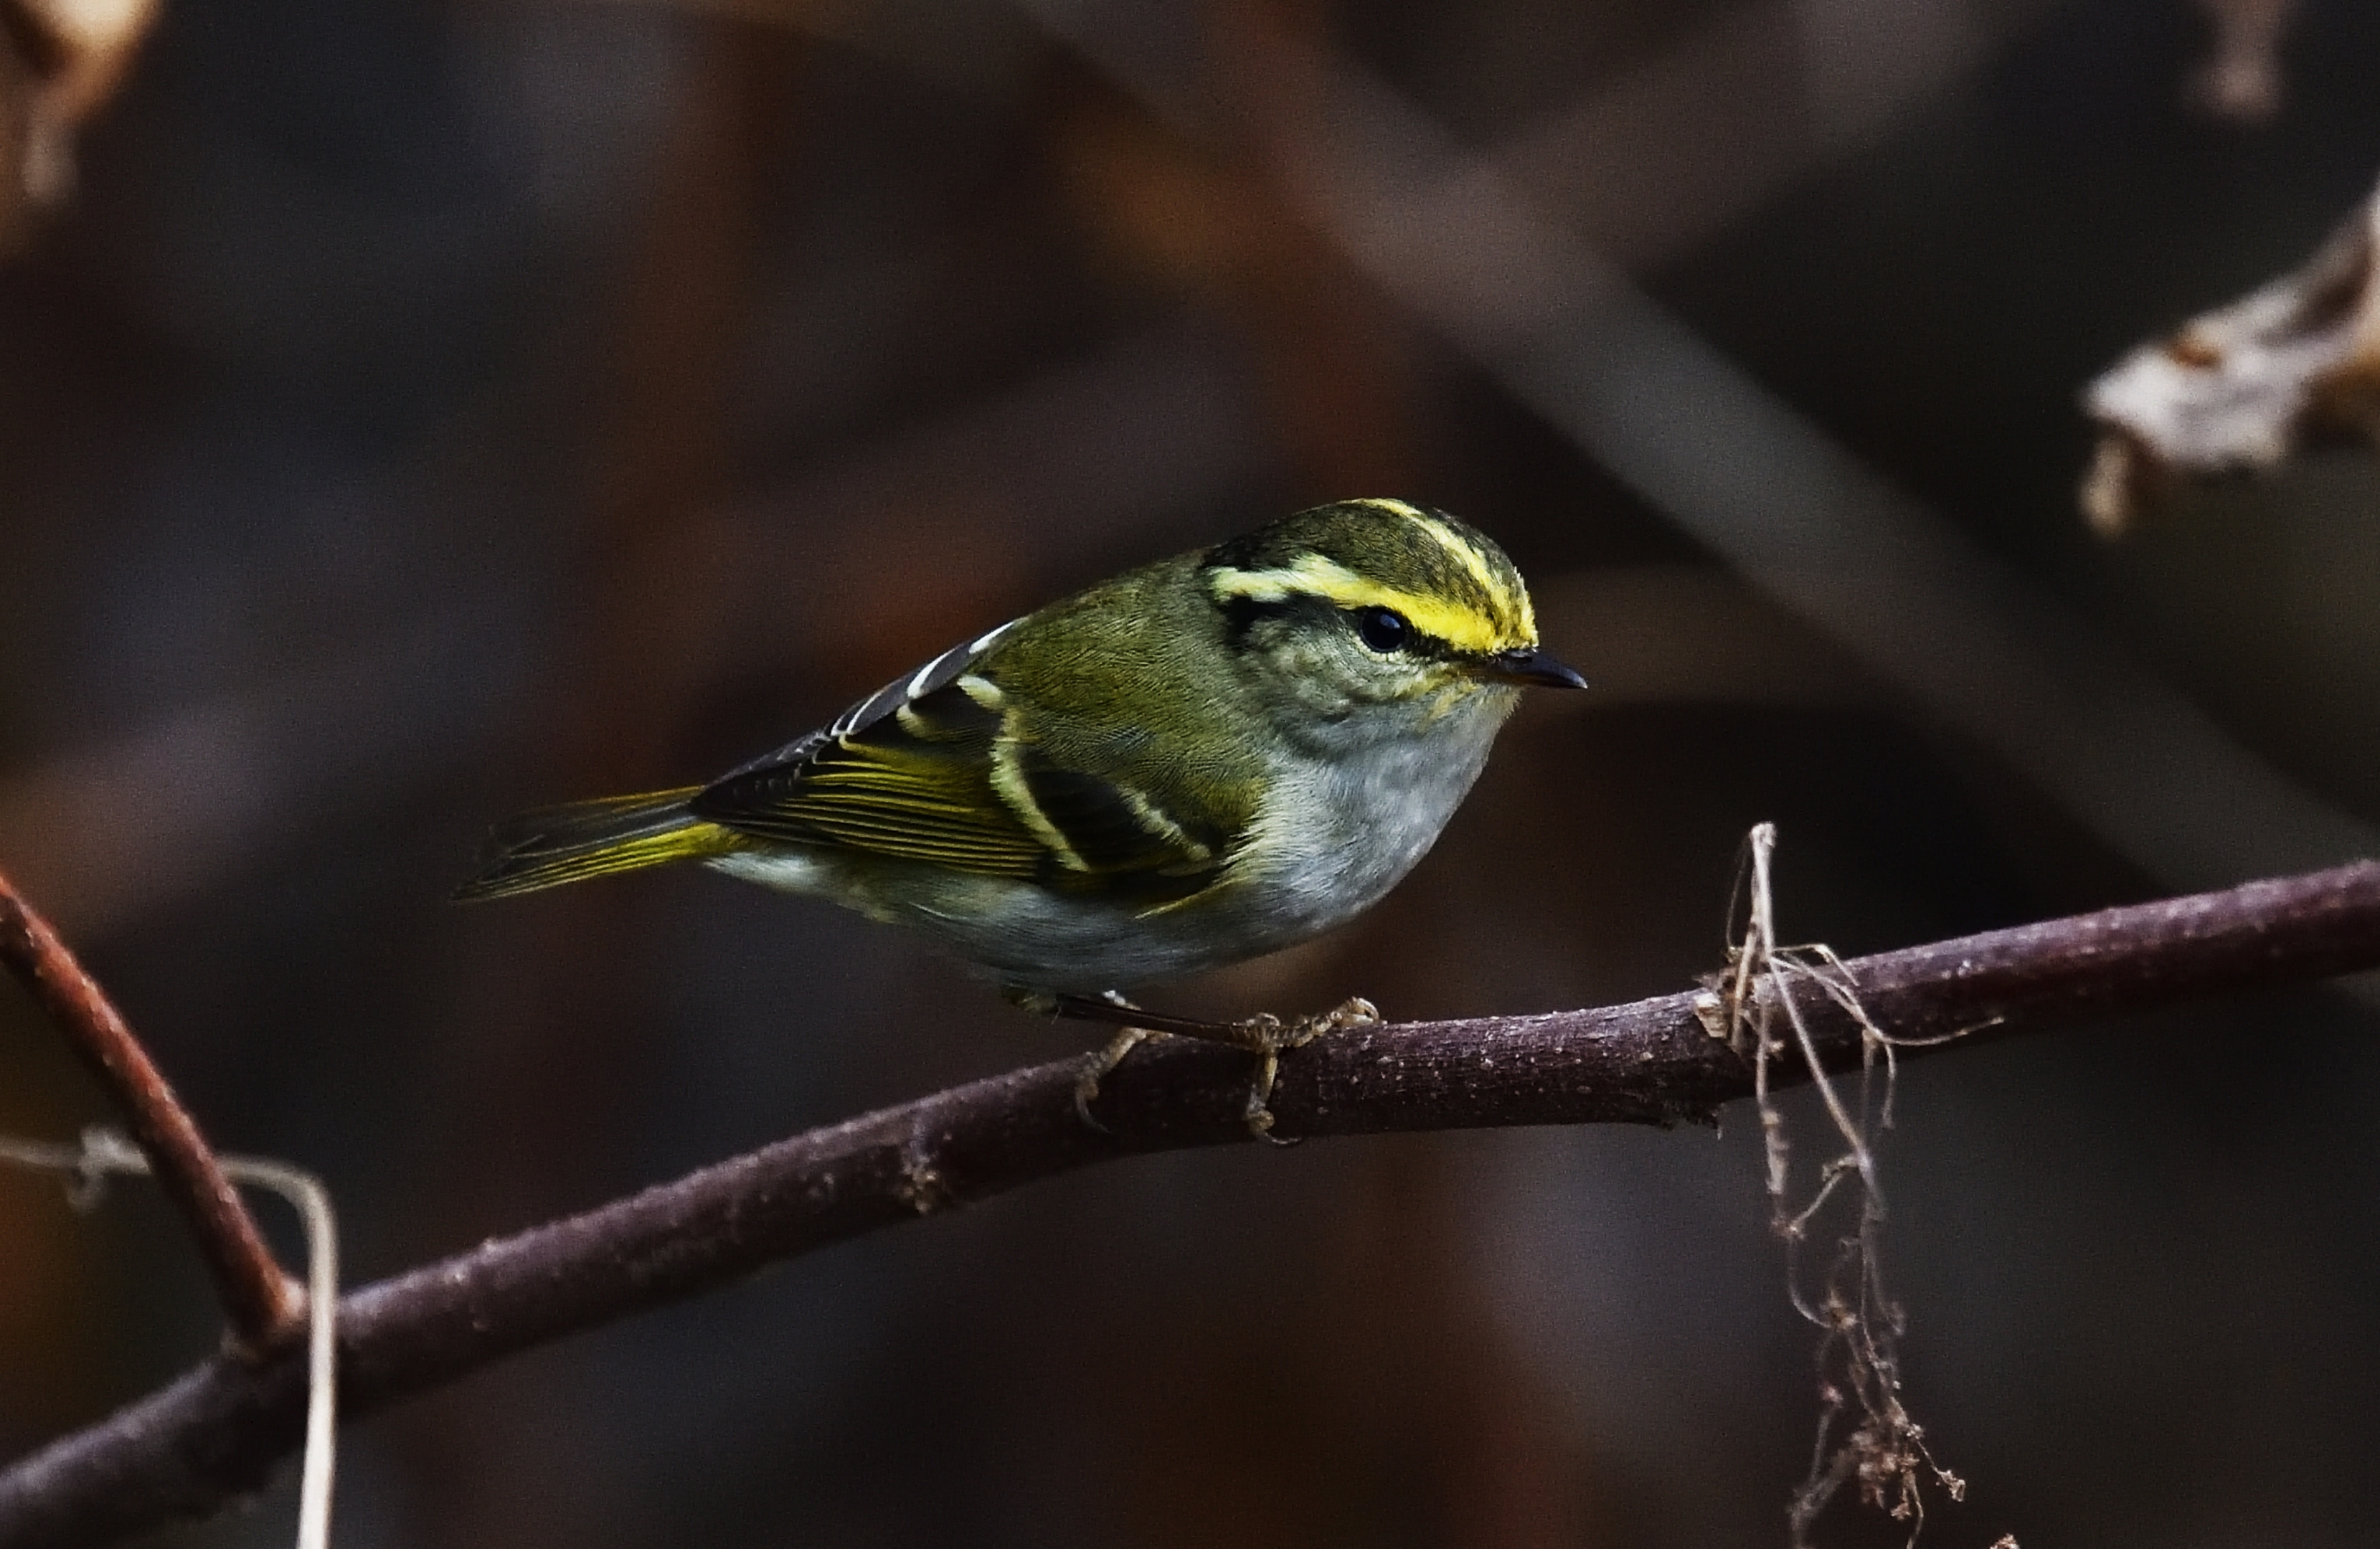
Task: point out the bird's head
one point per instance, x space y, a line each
1378 617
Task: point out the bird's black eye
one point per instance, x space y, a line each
1383 629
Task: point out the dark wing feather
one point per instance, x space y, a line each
1117 831
924 771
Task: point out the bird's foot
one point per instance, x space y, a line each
1109 1006
1265 1036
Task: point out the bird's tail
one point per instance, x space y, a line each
556 844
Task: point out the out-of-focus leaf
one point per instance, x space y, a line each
2245 387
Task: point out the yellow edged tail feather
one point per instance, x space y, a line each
556 844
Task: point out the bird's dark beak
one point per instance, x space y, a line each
1526 664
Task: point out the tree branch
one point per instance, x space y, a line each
262 1303
214 1433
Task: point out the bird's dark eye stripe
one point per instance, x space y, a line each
1243 614
1383 629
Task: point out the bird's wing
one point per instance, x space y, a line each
940 767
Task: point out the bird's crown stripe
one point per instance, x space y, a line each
1467 554
1465 628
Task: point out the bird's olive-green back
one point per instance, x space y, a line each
1081 748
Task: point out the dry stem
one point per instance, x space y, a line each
1865 1432
104 1154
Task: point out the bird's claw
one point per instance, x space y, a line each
1096 1067
1269 1036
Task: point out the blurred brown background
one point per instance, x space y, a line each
423 411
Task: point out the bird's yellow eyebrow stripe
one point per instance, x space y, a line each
1466 629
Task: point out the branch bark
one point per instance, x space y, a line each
187 1449
262 1303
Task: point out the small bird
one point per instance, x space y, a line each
1193 763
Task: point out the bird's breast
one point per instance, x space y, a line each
1336 834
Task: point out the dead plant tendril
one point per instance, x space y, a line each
1865 1435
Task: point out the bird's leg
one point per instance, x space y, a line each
1111 1008
1264 1034
1132 1025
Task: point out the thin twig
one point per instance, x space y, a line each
214 1432
262 1303
105 1153
307 1194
